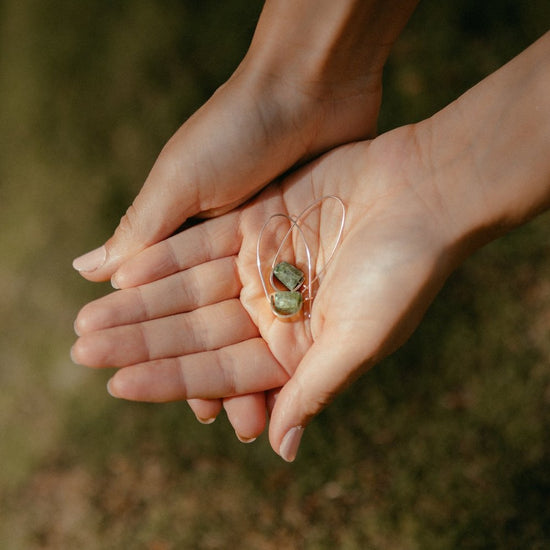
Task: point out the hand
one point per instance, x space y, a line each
196 323
301 90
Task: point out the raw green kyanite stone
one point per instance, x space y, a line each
286 303
289 275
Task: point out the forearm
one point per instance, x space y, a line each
493 147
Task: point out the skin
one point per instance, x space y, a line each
311 80
419 200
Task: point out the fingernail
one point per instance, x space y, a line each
291 441
206 420
114 284
91 261
73 357
110 388
245 439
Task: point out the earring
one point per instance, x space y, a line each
299 289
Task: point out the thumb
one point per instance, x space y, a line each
206 167
165 201
329 366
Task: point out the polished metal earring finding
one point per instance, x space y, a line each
297 284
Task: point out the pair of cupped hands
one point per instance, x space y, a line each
189 319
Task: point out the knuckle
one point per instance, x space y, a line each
128 223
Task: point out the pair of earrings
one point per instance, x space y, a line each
286 303
298 286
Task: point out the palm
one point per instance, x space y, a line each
387 269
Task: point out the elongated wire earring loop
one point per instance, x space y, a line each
293 225
340 230
307 286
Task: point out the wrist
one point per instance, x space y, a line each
315 66
321 44
487 152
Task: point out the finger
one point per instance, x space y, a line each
206 410
185 291
271 397
324 371
170 195
246 367
141 227
154 215
207 328
209 240
247 415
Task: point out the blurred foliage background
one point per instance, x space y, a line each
445 445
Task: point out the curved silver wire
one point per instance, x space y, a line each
340 231
294 223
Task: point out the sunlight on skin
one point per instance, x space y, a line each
371 262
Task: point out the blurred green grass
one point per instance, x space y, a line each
442 446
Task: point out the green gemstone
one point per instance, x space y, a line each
289 275
286 303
